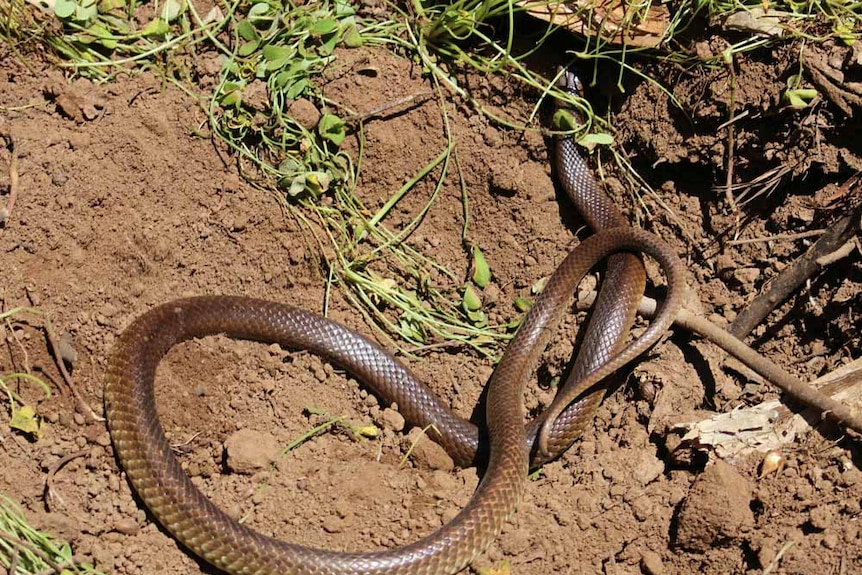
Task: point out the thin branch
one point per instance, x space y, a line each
778 238
795 274
789 384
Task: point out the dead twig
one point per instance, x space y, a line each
846 95
51 495
83 407
840 253
778 238
731 146
769 425
794 387
795 274
398 106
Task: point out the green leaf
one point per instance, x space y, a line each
274 52
344 9
231 99
471 301
846 33
590 141
323 27
106 6
24 419
800 98
296 90
317 182
332 128
411 330
246 31
290 166
297 186
248 48
258 10
523 304
481 271
157 27
565 120
278 57
351 37
86 12
328 45
104 36
478 317
64 8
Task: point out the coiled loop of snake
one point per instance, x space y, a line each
161 483
159 480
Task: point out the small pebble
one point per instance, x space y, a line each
333 524
234 512
392 419
651 563
127 526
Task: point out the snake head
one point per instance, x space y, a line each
569 82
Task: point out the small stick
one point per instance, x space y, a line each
50 493
778 238
414 99
790 384
733 120
731 144
67 378
840 253
795 274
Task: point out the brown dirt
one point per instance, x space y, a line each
122 208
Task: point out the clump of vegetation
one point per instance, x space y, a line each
25 550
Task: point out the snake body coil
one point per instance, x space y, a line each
180 507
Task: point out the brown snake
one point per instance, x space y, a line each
182 509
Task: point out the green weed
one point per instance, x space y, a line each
24 550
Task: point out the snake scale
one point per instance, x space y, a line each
157 477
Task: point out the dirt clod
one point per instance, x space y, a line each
821 517
249 451
392 419
651 563
425 453
717 511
